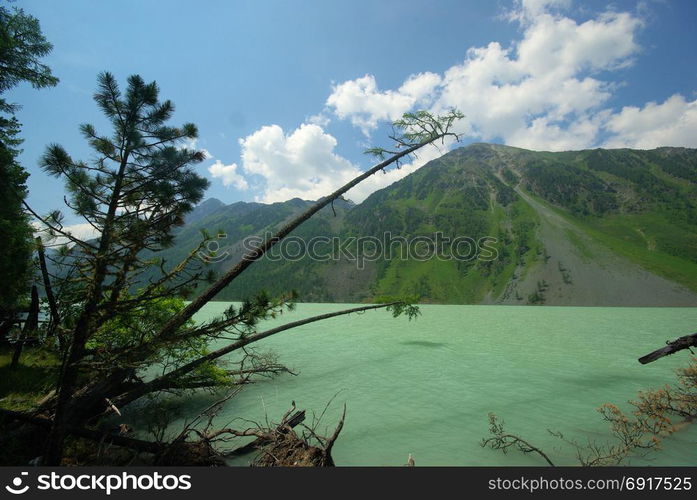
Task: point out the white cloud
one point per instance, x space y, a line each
420 87
558 46
228 174
301 164
543 91
538 85
672 123
529 9
320 119
365 105
547 91
84 232
542 133
193 145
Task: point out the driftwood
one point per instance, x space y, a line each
673 346
288 449
200 452
295 419
277 446
291 450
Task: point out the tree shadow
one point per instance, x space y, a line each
423 343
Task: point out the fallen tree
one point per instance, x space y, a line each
139 186
673 346
274 442
163 381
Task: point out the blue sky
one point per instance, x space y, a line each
287 94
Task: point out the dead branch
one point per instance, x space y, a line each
332 439
503 441
264 439
673 346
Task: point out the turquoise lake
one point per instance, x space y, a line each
425 387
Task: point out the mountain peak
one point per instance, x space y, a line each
482 151
592 227
203 209
211 203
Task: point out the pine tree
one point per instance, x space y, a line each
116 324
136 190
22 45
15 243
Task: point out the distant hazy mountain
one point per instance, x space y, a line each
594 227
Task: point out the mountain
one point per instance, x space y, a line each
204 209
487 224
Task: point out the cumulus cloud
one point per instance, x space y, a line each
193 145
228 175
365 105
548 90
529 9
84 232
320 119
542 134
301 164
558 46
672 123
542 91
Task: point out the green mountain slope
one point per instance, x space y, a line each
642 205
488 224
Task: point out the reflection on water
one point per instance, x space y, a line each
425 387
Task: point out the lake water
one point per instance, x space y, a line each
425 387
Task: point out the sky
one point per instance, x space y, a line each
287 94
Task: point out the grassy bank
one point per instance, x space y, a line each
22 387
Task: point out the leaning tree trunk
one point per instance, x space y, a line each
30 327
249 258
83 328
52 306
171 327
69 403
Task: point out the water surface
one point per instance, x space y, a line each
425 387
